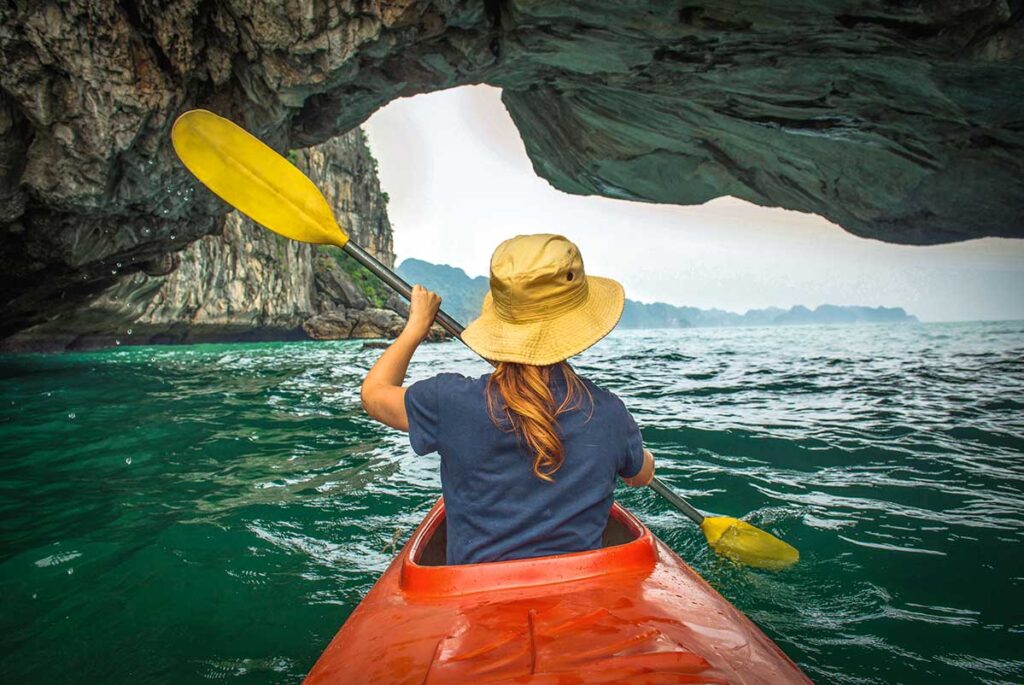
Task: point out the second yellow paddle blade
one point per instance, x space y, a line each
747 544
254 179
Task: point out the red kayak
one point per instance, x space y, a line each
631 612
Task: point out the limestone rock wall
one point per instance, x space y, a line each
246 283
346 173
901 121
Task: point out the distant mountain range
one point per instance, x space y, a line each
661 315
463 296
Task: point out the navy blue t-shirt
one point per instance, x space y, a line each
497 509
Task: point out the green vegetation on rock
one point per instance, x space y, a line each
375 291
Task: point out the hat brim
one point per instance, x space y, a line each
541 343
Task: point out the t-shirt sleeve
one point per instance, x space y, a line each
423 407
632 459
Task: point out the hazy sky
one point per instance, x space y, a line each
460 182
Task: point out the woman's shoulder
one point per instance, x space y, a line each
610 410
446 391
454 382
603 396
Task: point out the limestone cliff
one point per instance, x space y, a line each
247 283
900 121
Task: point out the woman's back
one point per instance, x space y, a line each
497 508
530 453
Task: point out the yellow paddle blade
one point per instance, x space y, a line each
747 544
254 179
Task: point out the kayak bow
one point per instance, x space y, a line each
630 612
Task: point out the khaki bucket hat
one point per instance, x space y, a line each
542 307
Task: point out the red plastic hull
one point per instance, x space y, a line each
632 613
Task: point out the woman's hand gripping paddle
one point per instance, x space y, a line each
271 191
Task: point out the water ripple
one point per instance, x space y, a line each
215 512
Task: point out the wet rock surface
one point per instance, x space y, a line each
899 121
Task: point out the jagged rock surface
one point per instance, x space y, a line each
345 171
901 121
247 283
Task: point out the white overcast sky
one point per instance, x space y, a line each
460 182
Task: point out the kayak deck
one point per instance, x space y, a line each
631 612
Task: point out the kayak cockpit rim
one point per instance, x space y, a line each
630 548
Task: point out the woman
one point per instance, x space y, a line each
530 452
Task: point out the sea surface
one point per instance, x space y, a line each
215 512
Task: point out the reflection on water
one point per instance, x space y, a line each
215 512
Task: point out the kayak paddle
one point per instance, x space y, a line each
270 190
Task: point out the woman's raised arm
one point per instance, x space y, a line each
382 393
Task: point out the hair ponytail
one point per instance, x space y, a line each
530 411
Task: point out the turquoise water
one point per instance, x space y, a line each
213 513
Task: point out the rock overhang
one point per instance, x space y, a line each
902 122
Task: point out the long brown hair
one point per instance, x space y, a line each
529 409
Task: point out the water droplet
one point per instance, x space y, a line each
119 265
116 341
172 236
71 572
113 272
128 460
146 231
72 416
34 595
129 331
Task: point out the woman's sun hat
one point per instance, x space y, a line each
542 307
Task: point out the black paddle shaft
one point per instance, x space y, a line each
455 328
676 501
398 285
